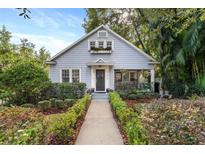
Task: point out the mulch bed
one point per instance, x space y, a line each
55 110
131 103
78 126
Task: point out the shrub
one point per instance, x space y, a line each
132 96
61 126
43 105
24 81
28 105
53 102
70 90
129 120
69 102
59 103
63 91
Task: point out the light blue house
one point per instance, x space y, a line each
102 59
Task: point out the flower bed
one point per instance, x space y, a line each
19 125
128 119
173 121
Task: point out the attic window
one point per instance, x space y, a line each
102 34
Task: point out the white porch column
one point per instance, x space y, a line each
152 79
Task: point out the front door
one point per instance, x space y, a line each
100 80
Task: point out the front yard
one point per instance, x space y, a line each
161 121
26 125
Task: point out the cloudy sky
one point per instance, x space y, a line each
54 29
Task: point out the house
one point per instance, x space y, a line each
102 59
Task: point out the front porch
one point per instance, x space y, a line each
140 79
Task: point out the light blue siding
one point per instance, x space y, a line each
124 56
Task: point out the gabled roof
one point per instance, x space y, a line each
92 32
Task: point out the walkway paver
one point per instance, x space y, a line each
99 126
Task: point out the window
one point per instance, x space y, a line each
102 34
118 76
132 76
101 44
65 75
92 45
109 45
75 75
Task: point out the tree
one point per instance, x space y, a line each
43 55
5 37
24 82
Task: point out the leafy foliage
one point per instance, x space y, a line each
24 81
19 125
61 126
174 121
129 120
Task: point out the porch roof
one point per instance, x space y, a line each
102 64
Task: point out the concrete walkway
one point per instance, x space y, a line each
99 126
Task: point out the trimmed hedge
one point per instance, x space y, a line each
43 105
60 127
63 91
129 120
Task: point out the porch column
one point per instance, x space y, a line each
152 79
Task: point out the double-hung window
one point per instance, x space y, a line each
101 44
92 45
70 75
65 75
109 45
75 75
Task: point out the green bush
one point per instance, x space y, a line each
69 102
28 105
59 103
70 90
43 105
132 96
60 127
64 91
53 102
24 82
129 120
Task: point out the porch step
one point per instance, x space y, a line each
99 96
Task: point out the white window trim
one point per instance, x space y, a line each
102 31
70 74
97 43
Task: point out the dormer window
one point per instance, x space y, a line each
92 45
109 45
102 34
101 44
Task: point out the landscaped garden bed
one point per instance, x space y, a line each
128 121
20 125
163 121
173 121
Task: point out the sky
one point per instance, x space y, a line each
53 29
